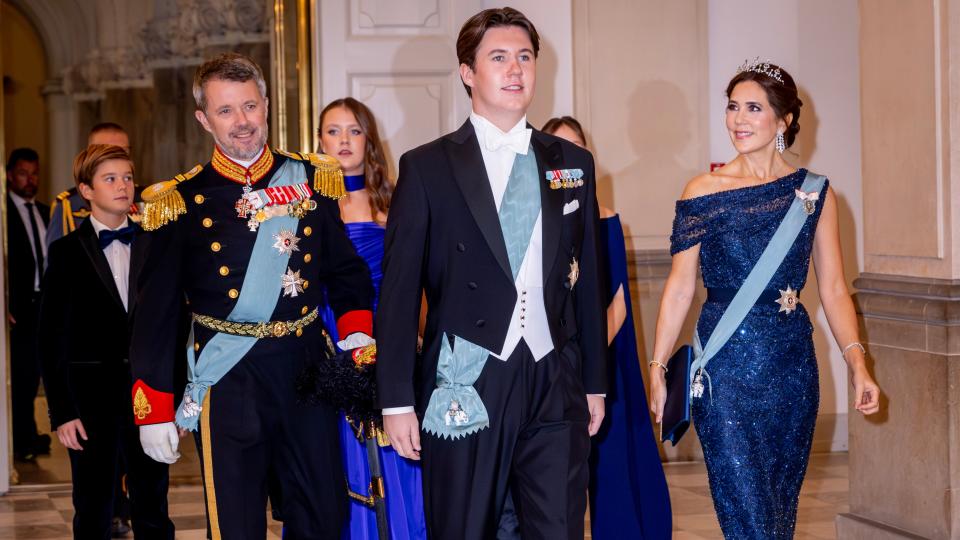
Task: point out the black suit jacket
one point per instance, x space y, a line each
443 237
85 329
22 267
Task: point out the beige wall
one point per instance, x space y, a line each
639 91
909 119
24 72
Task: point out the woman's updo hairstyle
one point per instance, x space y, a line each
781 92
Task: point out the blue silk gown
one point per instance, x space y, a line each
404 494
757 428
628 492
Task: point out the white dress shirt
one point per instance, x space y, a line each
118 257
21 205
529 318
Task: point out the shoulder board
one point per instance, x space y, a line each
162 203
63 196
327 175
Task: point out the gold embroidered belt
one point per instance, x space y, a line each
258 330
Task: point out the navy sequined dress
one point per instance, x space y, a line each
757 428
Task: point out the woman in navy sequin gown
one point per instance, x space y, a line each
757 428
348 131
628 491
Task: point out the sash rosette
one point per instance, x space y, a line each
455 409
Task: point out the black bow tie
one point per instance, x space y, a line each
124 234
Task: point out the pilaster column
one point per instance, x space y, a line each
905 461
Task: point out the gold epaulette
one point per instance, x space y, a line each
327 174
66 215
162 203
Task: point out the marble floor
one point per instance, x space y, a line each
40 506
34 512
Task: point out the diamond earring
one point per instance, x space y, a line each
781 144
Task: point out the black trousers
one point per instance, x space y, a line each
24 376
255 438
535 451
114 440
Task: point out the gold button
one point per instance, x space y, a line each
304 310
198 198
224 271
305 284
299 332
307 258
307 231
196 345
207 222
215 247
233 293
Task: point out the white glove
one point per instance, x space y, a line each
160 442
354 340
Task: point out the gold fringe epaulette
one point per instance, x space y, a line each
66 214
327 174
162 203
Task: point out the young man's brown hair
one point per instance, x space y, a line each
86 163
472 32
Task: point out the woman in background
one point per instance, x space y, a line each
628 492
348 132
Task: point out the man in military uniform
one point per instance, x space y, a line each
69 209
249 238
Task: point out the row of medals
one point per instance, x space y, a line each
285 241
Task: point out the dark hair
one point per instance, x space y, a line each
378 186
556 123
233 67
22 154
86 163
782 96
472 32
106 126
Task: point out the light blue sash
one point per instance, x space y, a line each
455 409
756 282
258 298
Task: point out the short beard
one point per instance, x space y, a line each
238 154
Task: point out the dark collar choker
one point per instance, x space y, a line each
354 183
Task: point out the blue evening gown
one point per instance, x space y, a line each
628 492
404 493
757 428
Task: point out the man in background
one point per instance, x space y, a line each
26 229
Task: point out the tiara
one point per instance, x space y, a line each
757 66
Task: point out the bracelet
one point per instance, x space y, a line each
657 362
856 344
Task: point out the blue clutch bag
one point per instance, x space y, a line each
676 411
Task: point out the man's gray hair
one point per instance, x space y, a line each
226 67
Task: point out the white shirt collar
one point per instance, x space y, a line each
18 199
482 125
98 226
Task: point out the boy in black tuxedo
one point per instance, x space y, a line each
497 223
88 293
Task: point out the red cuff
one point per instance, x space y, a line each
151 406
355 321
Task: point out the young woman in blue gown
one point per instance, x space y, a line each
756 425
628 491
348 132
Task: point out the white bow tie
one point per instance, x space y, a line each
516 141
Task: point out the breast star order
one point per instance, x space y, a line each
787 300
292 283
286 242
